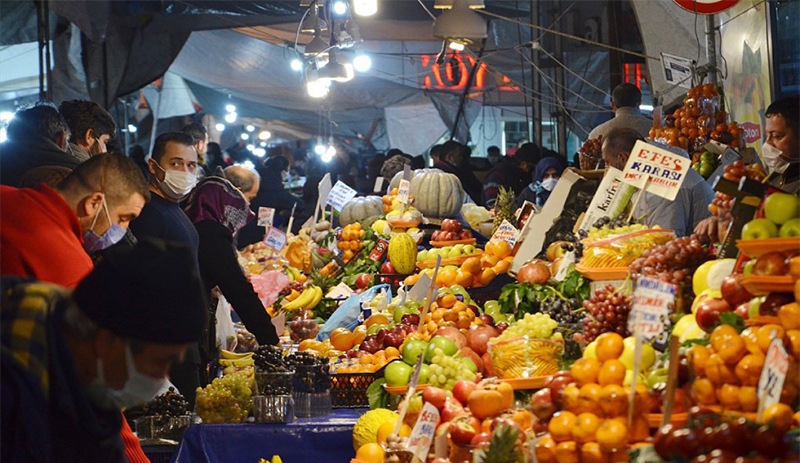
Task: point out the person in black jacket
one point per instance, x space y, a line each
218 210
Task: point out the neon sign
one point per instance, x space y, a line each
453 74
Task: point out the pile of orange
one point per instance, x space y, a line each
475 271
728 370
350 241
344 339
387 200
593 425
447 310
369 363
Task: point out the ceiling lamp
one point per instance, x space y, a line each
335 70
316 46
447 4
460 24
365 7
316 87
312 21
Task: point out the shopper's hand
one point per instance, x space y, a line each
708 229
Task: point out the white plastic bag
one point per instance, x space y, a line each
226 335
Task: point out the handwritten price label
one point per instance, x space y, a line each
773 375
651 306
340 194
422 435
275 239
402 191
265 216
506 232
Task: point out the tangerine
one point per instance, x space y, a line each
719 372
502 267
779 415
702 390
748 398
446 300
561 424
567 452
472 265
342 339
612 435
377 318
464 278
748 370
585 370
764 335
546 449
613 400
387 428
585 427
446 277
611 372
589 398
728 397
751 341
609 346
502 249
488 260
370 452
728 344
591 453
359 334
697 357
486 276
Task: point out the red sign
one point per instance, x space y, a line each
706 6
453 74
752 132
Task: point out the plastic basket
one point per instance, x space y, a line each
349 390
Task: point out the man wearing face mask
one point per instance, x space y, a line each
71 360
91 128
781 151
46 232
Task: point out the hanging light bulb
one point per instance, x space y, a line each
230 108
230 118
313 21
339 7
365 7
250 128
264 135
319 148
220 127
244 136
362 63
335 70
296 64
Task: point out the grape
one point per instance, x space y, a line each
446 370
170 403
226 399
561 310
270 358
537 325
607 311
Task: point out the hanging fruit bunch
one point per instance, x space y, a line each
350 241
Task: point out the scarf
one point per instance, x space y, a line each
217 200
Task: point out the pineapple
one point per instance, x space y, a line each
503 448
503 207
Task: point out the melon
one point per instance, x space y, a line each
358 209
403 253
366 428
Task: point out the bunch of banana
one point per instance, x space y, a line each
235 359
295 274
307 300
275 459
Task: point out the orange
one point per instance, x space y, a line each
748 398
561 425
391 352
502 266
388 428
488 260
502 249
446 277
486 276
471 265
764 335
721 333
702 391
640 429
697 356
546 449
464 279
446 300
307 344
612 435
567 452
591 453
611 372
728 397
614 400
359 334
370 453
585 370
793 348
751 340
718 372
748 370
490 247
589 398
779 415
411 280
569 397
378 318
609 346
585 427
728 344
342 339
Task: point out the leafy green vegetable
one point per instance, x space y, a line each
730 318
574 285
698 341
377 395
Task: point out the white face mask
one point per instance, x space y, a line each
549 183
772 159
138 389
177 183
284 175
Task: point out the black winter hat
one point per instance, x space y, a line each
152 293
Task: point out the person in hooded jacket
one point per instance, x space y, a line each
545 176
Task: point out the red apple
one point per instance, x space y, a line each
388 268
453 334
557 383
480 440
771 264
487 319
488 366
733 292
462 389
463 428
478 338
772 302
452 408
708 311
435 396
470 354
542 405
364 281
743 310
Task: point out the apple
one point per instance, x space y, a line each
394 338
759 229
790 229
557 383
424 374
411 318
488 365
397 373
412 350
373 329
447 345
435 396
452 409
470 354
478 338
454 334
773 302
733 292
462 390
743 310
747 270
388 268
772 263
754 307
364 281
555 250
542 405
502 326
463 428
487 319
781 207
708 311
481 441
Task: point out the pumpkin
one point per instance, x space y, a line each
403 253
395 182
358 209
437 193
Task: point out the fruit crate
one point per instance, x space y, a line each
349 390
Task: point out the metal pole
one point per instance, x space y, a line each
711 47
42 43
560 89
47 60
536 80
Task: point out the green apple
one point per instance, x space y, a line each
424 374
781 207
459 248
452 252
759 229
469 250
412 349
447 345
790 228
402 310
423 255
397 373
648 354
748 267
377 327
591 351
469 364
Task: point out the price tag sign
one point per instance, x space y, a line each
378 185
770 385
265 216
402 191
604 198
420 289
275 239
656 170
506 232
651 305
419 443
340 195
324 188
677 70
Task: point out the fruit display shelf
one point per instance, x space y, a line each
523 384
760 285
603 274
755 248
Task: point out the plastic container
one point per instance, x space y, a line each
312 378
274 382
524 357
307 404
273 409
162 427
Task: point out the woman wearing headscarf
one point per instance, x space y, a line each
545 176
218 211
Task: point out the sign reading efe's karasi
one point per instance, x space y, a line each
656 170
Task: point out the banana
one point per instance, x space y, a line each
293 272
301 300
226 354
242 362
315 300
276 459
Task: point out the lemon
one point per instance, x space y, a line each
700 277
370 453
721 269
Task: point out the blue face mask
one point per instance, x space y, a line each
92 242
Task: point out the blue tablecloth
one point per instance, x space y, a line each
327 439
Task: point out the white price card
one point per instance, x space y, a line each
419 291
421 437
650 308
677 70
656 170
402 191
506 232
770 385
378 185
340 195
324 188
265 216
275 238
340 291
